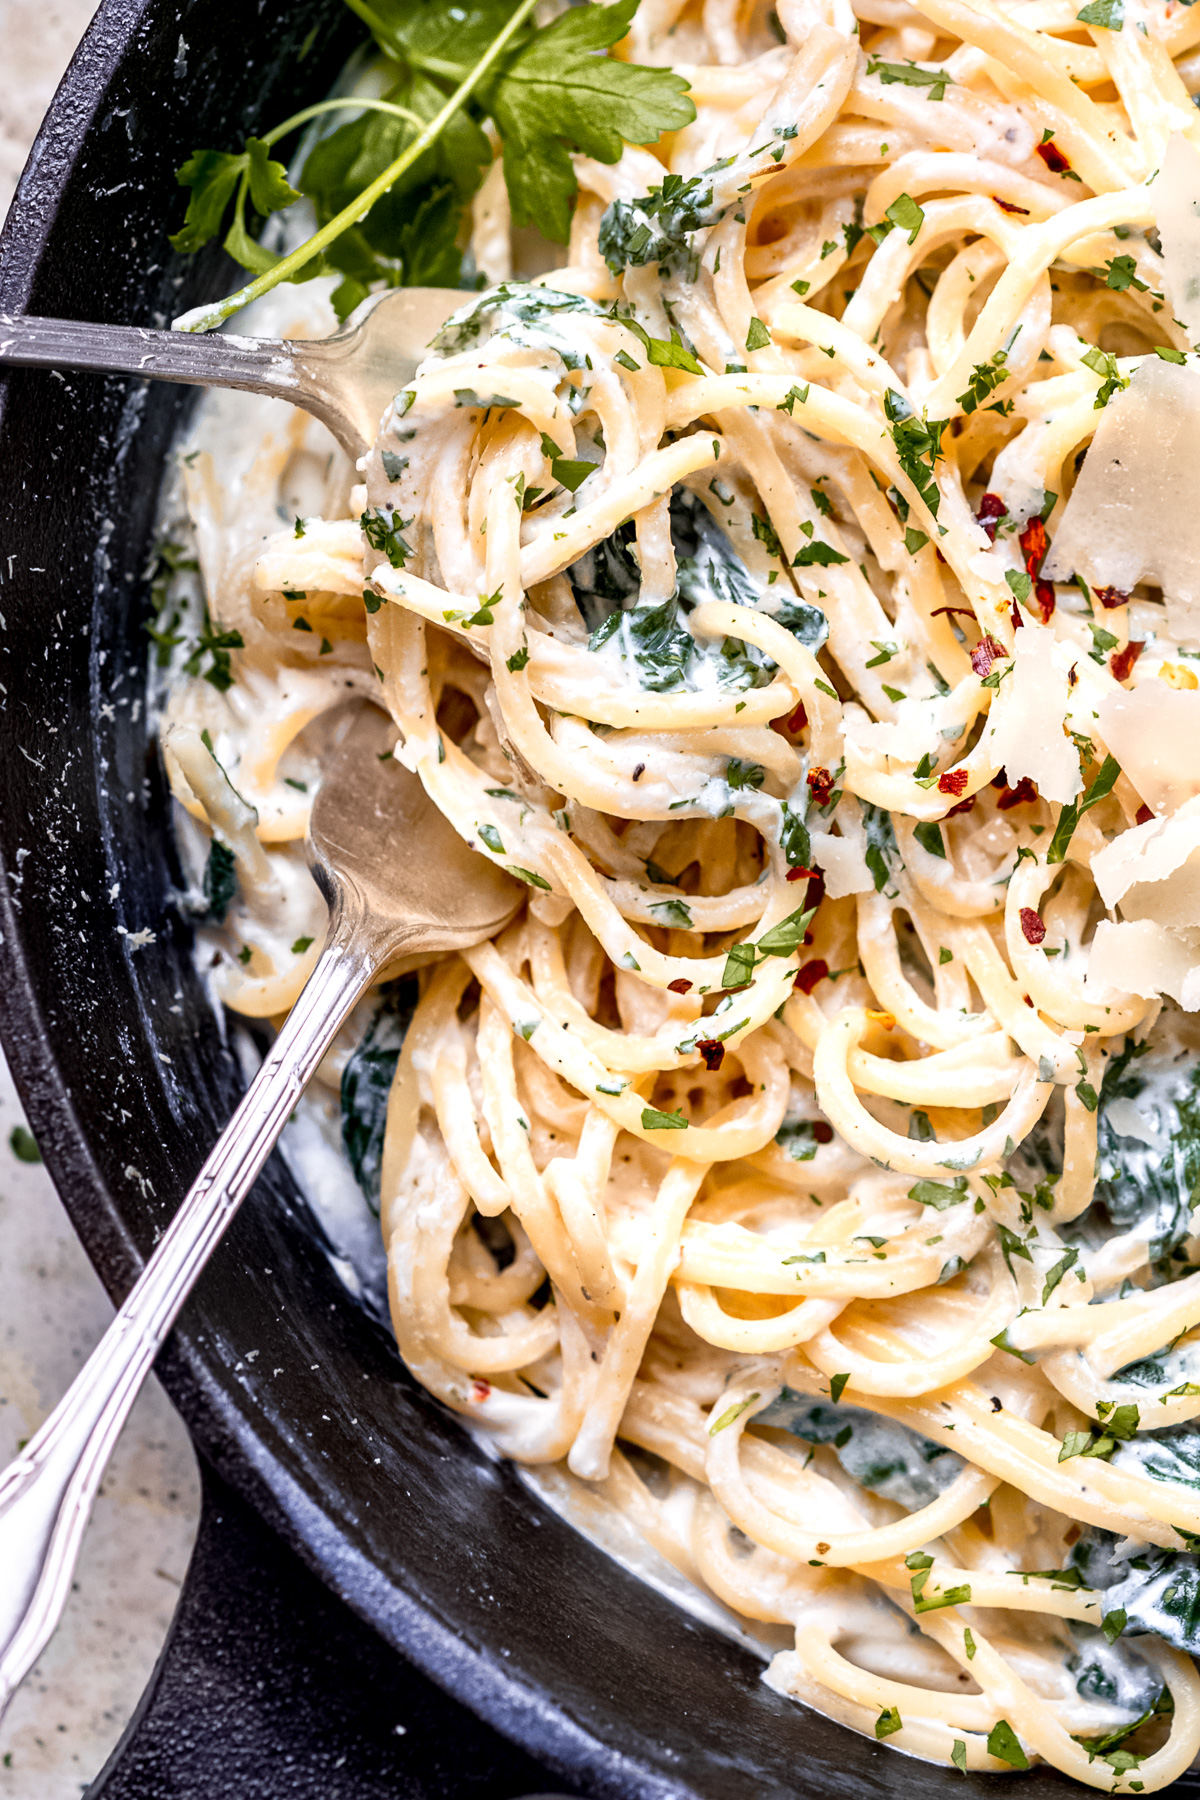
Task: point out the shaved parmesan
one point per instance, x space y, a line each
1026 735
1177 203
1146 959
1125 1119
1154 733
1133 516
1153 870
907 739
843 863
1016 473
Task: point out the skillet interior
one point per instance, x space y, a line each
444 1552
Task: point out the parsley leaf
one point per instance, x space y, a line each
909 75
985 379
918 445
660 353
882 851
1121 273
212 176
1104 363
940 1194
653 1120
907 215
818 555
548 91
382 529
1004 1743
557 95
1108 14
1070 815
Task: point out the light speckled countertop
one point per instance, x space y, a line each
65 1720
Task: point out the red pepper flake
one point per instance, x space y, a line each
991 506
1053 158
822 1132
1144 815
964 806
953 781
679 986
963 611
1033 545
986 652
810 974
1032 926
800 873
1043 593
1110 597
991 510
713 1052
1008 207
480 1391
1024 794
798 720
821 782
1121 661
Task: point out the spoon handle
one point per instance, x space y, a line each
46 1494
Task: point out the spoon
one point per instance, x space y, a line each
346 380
399 881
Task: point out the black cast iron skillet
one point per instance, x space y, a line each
322 1432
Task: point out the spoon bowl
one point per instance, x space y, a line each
377 838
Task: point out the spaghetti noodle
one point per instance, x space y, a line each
783 1169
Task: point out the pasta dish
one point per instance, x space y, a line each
791 588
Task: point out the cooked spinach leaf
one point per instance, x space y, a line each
367 1083
607 581
651 638
881 1455
1109 1673
1152 1187
607 578
1172 1454
220 881
807 623
1155 1591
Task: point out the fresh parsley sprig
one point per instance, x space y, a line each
390 187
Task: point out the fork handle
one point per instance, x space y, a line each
46 1494
214 359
